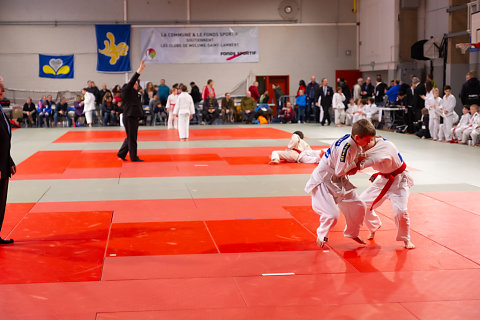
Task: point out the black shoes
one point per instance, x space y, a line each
137 160
123 158
9 241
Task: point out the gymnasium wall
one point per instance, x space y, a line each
299 50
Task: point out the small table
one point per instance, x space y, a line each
381 109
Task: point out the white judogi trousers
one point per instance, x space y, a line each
89 116
183 125
457 132
466 134
475 134
398 196
327 206
172 120
445 132
434 127
339 116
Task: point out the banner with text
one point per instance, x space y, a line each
200 45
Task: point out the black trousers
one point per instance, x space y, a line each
130 143
3 198
326 115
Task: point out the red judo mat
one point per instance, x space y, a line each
85 164
175 259
172 135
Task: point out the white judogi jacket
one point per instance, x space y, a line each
296 143
171 102
339 159
89 102
434 107
184 104
464 120
448 104
370 109
337 101
385 158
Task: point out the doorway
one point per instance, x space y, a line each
265 83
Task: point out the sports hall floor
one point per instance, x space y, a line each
207 230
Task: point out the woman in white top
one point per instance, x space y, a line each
184 110
88 106
339 107
433 104
448 113
171 102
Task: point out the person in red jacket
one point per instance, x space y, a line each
254 91
208 89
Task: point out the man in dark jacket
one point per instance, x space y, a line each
312 93
7 166
470 93
197 98
326 93
132 113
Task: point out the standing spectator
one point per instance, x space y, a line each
116 89
433 104
339 107
197 98
163 92
210 109
184 110
357 89
301 86
88 105
277 90
254 91
470 93
345 90
62 111
392 93
367 89
248 105
92 88
301 103
133 112
108 109
312 96
78 106
380 90
448 113
418 98
325 102
228 109
29 112
103 92
208 89
171 102
44 112
148 93
7 166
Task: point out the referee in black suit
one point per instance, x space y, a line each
132 113
7 166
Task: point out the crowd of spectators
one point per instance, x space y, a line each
418 107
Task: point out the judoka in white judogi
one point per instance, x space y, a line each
298 150
331 190
385 158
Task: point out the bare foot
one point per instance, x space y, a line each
359 240
409 245
274 162
372 234
321 243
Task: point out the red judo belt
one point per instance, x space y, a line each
296 150
390 176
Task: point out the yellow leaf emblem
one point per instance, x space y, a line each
112 50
